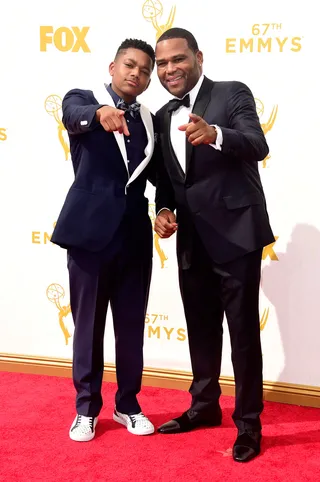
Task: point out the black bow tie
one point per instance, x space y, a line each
174 104
133 109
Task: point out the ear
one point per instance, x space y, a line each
199 56
147 85
111 68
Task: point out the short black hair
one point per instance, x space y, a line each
180 33
133 43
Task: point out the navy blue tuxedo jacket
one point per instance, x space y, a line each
102 191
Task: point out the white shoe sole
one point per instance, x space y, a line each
134 432
84 438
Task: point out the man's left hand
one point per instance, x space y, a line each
198 131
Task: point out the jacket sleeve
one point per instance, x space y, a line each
244 138
79 111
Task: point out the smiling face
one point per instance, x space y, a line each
130 71
178 67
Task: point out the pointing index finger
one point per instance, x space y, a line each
195 118
125 127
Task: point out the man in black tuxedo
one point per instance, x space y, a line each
105 226
212 142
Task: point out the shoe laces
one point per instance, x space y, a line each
139 420
83 424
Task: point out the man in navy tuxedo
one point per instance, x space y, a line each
105 226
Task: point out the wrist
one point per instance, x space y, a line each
163 210
98 114
213 136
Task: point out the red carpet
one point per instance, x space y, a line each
36 412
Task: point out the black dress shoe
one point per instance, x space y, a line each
191 420
247 445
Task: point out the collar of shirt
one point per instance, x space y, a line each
115 96
193 92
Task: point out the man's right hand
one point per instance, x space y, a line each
112 119
165 224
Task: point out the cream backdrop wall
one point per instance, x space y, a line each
47 49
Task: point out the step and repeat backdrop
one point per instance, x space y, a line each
47 50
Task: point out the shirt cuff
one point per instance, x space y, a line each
219 140
162 210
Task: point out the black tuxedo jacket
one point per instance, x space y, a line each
102 191
221 194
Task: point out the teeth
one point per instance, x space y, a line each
174 80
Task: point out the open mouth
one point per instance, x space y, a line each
175 80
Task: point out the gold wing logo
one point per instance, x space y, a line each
152 11
55 293
266 126
156 238
53 106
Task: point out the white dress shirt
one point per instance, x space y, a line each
180 117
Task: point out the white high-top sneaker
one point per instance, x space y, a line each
83 428
138 424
